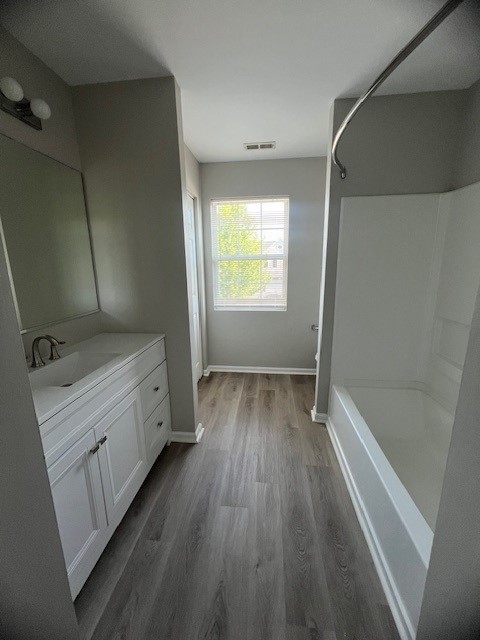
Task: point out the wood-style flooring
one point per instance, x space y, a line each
249 535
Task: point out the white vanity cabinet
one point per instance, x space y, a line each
100 446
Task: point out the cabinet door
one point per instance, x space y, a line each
78 498
122 455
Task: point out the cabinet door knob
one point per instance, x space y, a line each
156 388
95 449
159 424
102 440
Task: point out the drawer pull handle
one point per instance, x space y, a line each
95 449
159 424
156 388
102 440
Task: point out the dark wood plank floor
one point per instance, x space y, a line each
249 535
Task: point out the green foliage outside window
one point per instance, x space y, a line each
239 279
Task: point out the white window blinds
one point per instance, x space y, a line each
250 253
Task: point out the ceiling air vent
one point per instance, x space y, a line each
255 146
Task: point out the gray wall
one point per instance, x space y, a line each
270 338
397 144
132 154
467 169
57 140
192 174
35 599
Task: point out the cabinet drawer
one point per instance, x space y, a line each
157 430
154 389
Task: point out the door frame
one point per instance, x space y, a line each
198 224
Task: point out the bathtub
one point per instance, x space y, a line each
392 445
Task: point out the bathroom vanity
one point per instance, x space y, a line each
104 415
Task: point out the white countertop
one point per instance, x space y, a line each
123 347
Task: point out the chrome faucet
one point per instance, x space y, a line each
37 360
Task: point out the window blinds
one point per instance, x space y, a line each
250 253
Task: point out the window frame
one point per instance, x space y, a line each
215 259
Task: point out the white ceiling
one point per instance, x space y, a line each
251 70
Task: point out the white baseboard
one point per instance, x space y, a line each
383 571
188 436
318 417
292 371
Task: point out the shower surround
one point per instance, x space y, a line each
408 274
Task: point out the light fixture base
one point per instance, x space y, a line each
20 110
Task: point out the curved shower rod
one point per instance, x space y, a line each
431 25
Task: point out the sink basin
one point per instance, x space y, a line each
69 369
82 367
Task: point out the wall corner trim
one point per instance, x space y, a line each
188 436
292 371
318 417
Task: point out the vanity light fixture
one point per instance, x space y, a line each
11 89
13 102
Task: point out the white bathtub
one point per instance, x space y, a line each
392 445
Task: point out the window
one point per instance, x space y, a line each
250 253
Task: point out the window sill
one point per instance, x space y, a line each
247 308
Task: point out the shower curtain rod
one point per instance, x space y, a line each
431 25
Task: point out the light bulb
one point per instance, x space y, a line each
11 89
40 108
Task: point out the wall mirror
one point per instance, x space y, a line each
46 236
